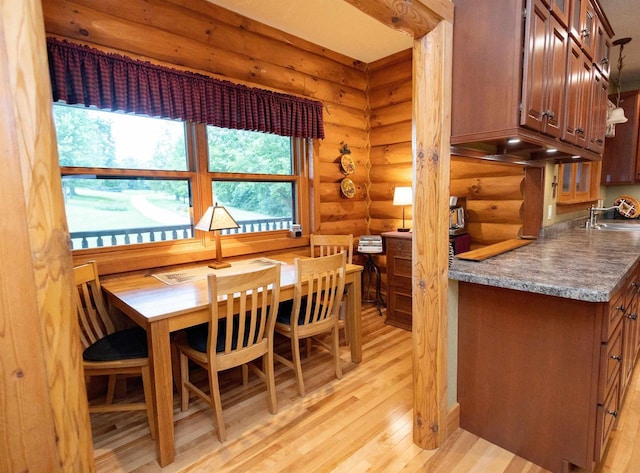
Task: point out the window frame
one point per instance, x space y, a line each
121 258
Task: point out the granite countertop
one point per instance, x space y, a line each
581 264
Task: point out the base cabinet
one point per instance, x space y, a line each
398 249
544 377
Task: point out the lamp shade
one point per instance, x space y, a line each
216 218
616 116
402 196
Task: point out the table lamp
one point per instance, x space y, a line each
217 218
402 196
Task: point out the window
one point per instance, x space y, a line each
253 176
131 179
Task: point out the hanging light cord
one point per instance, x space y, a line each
620 42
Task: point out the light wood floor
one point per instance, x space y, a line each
361 423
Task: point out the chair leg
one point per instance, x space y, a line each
309 347
184 379
270 380
343 307
297 365
245 374
148 399
214 388
111 388
336 351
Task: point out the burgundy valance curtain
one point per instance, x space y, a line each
84 75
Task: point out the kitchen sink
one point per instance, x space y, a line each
619 226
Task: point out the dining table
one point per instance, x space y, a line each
165 300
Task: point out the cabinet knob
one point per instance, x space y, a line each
585 33
599 140
618 358
620 308
612 413
605 61
632 316
580 131
549 114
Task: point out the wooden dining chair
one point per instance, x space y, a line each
240 331
325 245
313 310
110 352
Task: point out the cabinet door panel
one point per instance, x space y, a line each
597 123
572 95
556 74
535 66
560 9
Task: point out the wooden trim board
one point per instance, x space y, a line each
485 252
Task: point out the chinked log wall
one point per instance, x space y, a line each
199 36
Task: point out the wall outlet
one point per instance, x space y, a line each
549 212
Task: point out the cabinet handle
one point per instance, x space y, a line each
549 114
580 131
612 413
605 61
585 33
635 285
632 316
599 140
618 358
620 308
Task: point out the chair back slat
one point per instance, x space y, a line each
93 317
327 245
325 278
249 309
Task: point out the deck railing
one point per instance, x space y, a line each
127 236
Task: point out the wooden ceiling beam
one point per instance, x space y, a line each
414 17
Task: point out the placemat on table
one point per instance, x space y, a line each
201 272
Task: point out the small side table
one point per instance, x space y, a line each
371 278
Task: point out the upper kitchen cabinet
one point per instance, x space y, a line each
621 159
529 78
544 72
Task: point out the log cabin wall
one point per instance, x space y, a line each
493 197
391 155
202 37
366 107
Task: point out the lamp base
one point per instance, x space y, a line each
219 265
404 229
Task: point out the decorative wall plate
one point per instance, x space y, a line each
627 206
348 188
347 164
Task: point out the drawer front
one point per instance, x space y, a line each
399 309
611 357
616 308
400 268
606 418
395 245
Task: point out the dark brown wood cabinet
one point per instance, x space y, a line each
544 71
513 81
621 158
398 250
558 366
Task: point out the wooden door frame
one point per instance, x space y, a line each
44 410
430 22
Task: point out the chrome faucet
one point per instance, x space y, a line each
593 214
